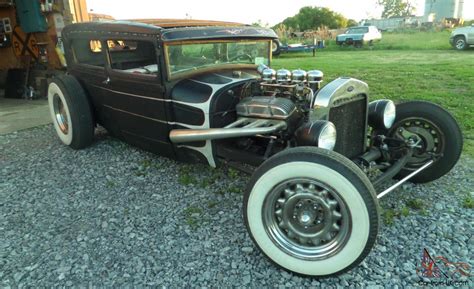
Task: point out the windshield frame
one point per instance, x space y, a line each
214 67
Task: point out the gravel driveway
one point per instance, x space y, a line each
115 215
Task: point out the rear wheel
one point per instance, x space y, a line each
311 211
460 43
439 136
71 112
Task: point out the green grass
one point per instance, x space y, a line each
468 202
445 77
193 216
409 40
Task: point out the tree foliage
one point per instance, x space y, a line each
396 8
309 18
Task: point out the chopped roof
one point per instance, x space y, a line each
171 29
176 23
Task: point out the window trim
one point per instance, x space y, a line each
121 73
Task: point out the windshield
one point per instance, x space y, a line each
357 30
194 56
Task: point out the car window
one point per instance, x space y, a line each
183 57
88 52
134 57
358 30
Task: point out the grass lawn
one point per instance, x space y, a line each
409 40
445 77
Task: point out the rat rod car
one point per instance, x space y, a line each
203 92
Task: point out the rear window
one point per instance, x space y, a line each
88 52
122 45
96 46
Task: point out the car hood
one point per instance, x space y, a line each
463 29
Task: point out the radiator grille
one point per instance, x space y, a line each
350 122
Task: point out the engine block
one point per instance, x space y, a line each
266 107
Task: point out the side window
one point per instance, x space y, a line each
88 52
135 57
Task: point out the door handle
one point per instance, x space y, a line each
107 81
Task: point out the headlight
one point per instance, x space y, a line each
319 133
382 114
327 137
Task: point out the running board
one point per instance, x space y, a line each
399 183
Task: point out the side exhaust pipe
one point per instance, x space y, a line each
240 128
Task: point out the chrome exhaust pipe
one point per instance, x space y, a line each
251 127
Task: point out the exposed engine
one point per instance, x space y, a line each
289 97
298 85
266 107
257 117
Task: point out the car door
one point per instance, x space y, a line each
134 93
87 63
470 35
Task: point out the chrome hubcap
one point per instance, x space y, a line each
60 114
306 219
460 44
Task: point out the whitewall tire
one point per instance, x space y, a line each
70 111
311 211
60 114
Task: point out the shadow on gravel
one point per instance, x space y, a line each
114 215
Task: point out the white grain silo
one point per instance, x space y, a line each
439 9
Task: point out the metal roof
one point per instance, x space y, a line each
171 29
176 23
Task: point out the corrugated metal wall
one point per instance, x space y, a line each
444 8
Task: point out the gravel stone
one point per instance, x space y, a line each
439 206
247 250
112 215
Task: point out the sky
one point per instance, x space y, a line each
244 11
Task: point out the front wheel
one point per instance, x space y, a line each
311 211
439 137
276 47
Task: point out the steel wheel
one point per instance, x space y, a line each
432 140
60 114
70 112
311 211
306 219
439 137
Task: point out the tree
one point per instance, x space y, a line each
351 22
309 18
396 8
260 23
